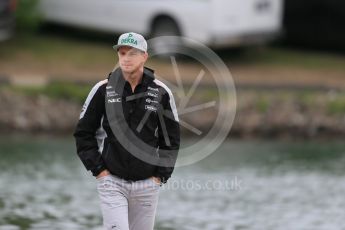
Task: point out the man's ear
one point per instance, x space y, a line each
146 55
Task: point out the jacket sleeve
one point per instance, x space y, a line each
89 122
168 137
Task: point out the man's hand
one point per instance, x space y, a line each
103 173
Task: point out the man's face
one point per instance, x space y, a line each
131 59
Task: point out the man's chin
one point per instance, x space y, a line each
127 70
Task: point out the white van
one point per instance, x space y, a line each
216 23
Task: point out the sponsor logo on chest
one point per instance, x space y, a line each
114 100
112 93
149 100
153 89
151 108
152 94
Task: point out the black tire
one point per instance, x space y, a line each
164 26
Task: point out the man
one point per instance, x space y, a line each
127 184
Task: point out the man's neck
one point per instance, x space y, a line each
134 78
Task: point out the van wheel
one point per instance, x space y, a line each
164 26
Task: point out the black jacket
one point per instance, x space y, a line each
98 147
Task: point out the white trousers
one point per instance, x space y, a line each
128 205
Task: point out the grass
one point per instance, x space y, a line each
56 90
82 50
309 99
280 56
262 104
306 101
312 100
53 50
337 106
76 51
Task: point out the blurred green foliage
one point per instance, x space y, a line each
262 104
336 106
291 58
28 17
58 90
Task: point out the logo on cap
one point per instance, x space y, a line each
129 40
132 39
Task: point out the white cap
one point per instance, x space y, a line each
133 40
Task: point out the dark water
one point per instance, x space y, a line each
244 185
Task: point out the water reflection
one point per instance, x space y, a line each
244 185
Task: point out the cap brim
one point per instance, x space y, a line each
116 47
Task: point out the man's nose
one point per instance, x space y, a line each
126 57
